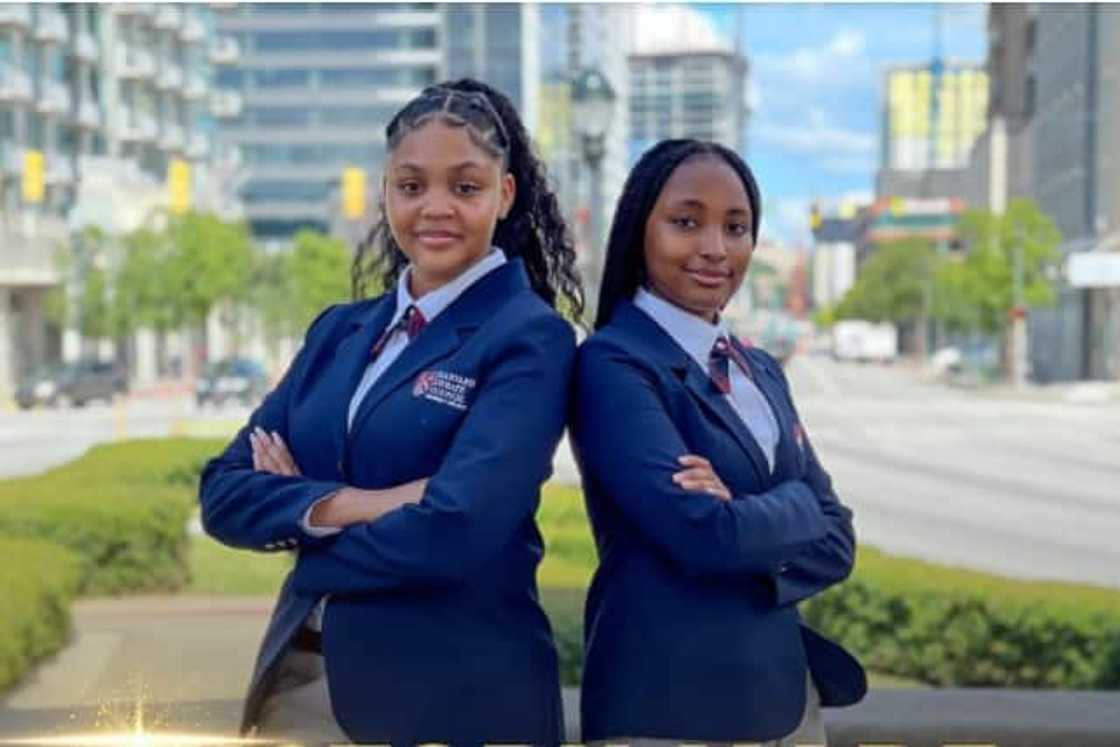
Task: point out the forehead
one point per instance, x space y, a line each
708 180
436 144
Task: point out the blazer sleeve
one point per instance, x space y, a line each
629 446
830 559
243 507
487 486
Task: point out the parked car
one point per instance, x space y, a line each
72 384
232 379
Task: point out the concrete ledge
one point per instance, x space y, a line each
914 718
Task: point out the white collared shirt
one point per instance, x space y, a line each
697 337
430 305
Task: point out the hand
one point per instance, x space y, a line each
698 475
270 454
356 506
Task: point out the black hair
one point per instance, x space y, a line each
625 257
534 229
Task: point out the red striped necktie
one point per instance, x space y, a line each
719 368
411 323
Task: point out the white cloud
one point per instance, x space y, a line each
675 28
842 60
816 136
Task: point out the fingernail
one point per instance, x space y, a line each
276 435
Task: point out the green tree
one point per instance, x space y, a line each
211 261
318 269
993 241
893 284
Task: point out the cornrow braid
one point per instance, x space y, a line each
625 259
534 229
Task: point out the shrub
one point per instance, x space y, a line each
123 508
37 582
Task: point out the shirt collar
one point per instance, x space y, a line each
432 304
693 334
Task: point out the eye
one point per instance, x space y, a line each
409 187
684 222
466 189
738 229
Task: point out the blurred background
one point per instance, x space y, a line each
182 186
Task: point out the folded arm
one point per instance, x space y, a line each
629 445
486 487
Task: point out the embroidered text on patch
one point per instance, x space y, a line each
445 387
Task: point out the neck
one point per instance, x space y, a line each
711 316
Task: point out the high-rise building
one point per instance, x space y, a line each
306 90
311 86
926 139
685 81
85 87
1075 135
499 44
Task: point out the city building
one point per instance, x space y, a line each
85 88
1074 55
926 138
838 228
309 88
306 90
685 81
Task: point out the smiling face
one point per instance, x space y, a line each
443 196
698 237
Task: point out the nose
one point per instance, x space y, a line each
438 204
712 245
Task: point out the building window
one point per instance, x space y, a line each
281 78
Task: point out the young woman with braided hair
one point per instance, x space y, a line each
403 452
711 513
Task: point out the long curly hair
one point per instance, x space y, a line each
534 229
625 257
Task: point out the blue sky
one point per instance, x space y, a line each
816 79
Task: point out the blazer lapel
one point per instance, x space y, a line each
657 343
353 356
701 386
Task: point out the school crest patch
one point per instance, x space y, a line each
444 387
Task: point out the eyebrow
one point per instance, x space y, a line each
690 202
462 166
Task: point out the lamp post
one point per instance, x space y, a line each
593 101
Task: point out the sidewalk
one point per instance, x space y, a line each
188 658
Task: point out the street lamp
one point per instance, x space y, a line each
593 101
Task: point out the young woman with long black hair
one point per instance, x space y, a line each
403 452
711 513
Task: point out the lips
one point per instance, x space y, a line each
437 238
709 278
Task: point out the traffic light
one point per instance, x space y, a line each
814 217
179 186
353 192
33 181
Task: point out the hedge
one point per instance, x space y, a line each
122 508
950 626
37 582
939 625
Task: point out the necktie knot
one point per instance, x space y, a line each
412 322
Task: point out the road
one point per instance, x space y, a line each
1027 487
36 440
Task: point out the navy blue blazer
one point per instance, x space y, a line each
433 631
691 624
